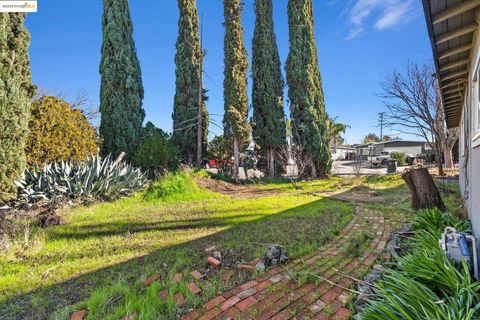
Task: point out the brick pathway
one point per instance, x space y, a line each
277 293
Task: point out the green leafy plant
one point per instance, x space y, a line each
434 222
156 153
175 185
57 132
400 156
427 285
93 178
354 244
399 297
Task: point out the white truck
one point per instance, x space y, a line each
384 157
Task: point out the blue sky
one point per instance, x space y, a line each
359 42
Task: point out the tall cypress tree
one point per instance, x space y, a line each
268 124
16 91
121 91
307 106
189 60
236 126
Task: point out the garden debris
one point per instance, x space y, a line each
214 262
49 218
78 315
275 255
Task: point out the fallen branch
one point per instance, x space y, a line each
333 283
354 279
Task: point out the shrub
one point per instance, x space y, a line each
400 156
176 186
218 149
59 133
156 153
94 178
434 222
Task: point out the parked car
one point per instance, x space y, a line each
215 163
382 158
387 155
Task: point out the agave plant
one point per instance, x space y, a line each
93 178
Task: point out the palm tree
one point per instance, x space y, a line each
334 131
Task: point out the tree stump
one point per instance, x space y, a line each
425 194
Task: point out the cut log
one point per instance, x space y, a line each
425 194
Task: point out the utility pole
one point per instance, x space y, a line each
381 114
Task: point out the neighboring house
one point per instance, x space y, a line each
342 153
455 39
415 148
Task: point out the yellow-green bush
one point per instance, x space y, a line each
58 132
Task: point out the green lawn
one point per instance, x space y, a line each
100 257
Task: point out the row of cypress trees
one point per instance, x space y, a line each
305 92
122 90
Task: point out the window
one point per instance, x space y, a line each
476 108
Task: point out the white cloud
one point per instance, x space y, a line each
386 13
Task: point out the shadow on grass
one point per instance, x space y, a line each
300 230
121 228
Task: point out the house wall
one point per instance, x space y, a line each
415 150
469 153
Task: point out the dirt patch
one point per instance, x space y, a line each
233 190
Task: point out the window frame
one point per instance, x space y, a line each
475 100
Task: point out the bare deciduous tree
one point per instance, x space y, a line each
83 102
414 107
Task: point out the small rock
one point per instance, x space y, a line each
378 267
260 266
274 252
274 262
210 249
284 257
217 255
